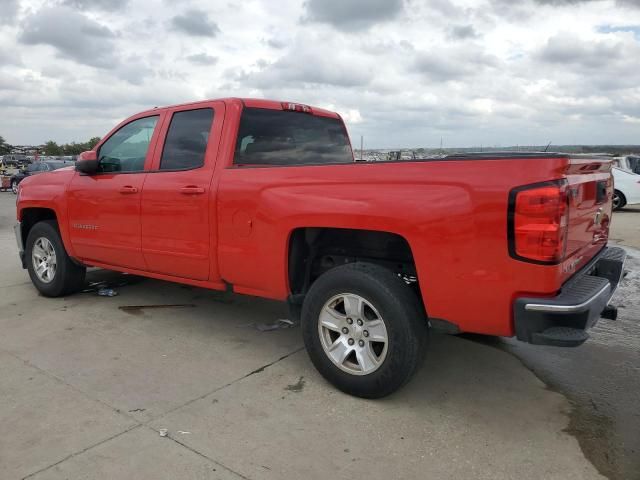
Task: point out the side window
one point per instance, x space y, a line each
33 167
187 139
126 150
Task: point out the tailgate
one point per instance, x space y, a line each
590 191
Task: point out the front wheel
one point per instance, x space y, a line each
52 271
14 187
364 329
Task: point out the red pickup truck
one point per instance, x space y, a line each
264 198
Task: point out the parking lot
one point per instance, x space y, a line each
88 383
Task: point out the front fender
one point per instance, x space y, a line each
47 191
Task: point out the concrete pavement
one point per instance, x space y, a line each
86 385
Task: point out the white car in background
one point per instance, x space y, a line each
627 188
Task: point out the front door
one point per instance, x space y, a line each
104 208
178 203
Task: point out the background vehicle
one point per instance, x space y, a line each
627 188
264 198
14 159
630 163
34 169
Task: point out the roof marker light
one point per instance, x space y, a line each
296 107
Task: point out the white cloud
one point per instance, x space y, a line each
401 73
88 42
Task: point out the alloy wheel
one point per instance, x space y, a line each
43 256
353 334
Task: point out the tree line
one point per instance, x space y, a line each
52 148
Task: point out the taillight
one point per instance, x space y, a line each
538 222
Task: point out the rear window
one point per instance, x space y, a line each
276 137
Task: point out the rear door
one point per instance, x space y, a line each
178 214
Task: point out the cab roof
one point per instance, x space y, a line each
248 102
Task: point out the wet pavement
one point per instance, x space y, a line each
602 377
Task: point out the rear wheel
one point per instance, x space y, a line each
364 329
619 200
52 271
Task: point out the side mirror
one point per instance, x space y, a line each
87 162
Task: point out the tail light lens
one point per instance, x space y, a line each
538 222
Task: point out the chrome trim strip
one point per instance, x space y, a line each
539 307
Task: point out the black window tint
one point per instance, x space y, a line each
126 150
187 139
276 137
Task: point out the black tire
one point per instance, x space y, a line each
14 187
68 277
619 202
403 315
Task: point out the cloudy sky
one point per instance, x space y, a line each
403 73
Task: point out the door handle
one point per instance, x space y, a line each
128 189
192 190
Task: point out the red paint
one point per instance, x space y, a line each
221 223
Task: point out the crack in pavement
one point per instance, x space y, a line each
215 390
71 386
203 455
80 452
138 423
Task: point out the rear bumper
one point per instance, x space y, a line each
563 320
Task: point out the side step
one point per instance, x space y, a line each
560 337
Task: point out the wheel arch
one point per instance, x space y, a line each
29 216
32 214
312 251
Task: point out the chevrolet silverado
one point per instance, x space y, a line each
264 198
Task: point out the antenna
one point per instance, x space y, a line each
547 147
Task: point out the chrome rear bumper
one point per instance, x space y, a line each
563 320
